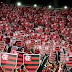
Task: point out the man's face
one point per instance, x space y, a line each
28 47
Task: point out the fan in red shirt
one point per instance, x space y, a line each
44 70
7 41
27 49
37 51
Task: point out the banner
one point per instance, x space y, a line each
31 62
8 61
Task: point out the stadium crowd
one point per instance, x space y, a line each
43 31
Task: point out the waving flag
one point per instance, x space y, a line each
69 62
1 45
32 43
19 59
31 62
62 57
52 57
8 61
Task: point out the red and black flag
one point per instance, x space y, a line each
19 59
32 43
8 61
31 62
62 57
69 62
18 43
52 57
1 45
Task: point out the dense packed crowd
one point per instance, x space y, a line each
41 31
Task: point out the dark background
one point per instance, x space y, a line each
54 3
